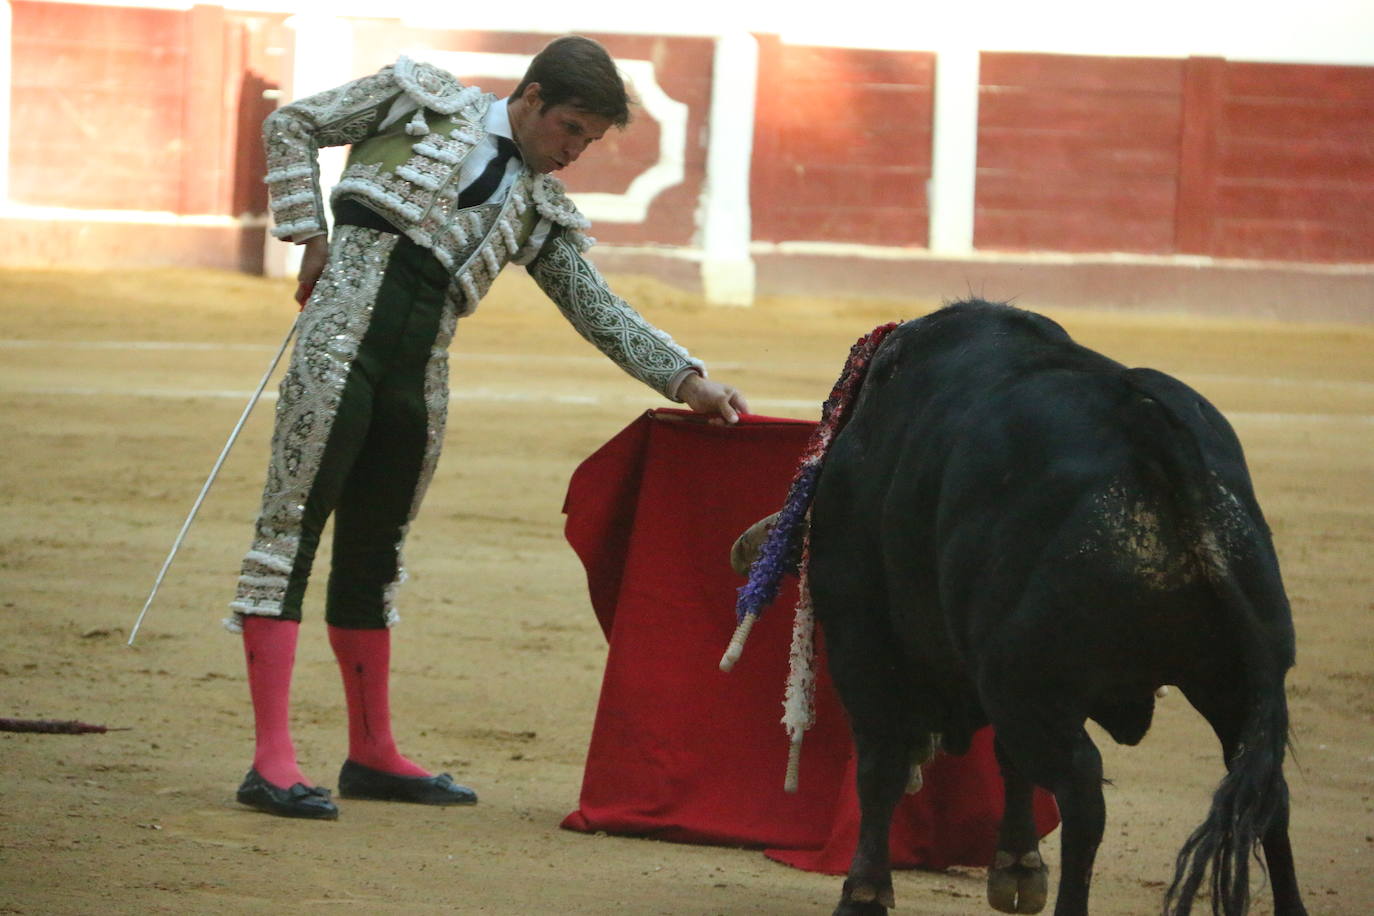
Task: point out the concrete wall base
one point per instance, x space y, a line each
1253 289
74 243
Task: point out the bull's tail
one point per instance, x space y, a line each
1252 794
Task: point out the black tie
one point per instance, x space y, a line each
482 186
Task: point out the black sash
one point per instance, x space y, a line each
350 212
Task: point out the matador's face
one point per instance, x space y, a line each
552 139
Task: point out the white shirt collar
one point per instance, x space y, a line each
497 119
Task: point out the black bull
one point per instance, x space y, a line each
1014 529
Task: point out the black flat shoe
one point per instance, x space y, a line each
358 781
298 801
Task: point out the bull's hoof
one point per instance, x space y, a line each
865 898
747 546
1018 885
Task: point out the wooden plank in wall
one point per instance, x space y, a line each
97 96
1077 153
1332 85
205 171
1294 177
1076 73
842 145
1297 159
1204 81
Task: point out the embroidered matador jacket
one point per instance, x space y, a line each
407 171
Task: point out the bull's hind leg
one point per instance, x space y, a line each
884 764
864 661
1052 749
1018 879
884 744
1223 705
1283 876
1084 815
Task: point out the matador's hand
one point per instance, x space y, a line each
312 265
706 396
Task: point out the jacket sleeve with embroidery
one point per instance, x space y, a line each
293 134
609 322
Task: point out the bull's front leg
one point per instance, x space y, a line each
884 764
1018 878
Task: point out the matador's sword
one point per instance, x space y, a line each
214 472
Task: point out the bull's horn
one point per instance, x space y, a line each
747 545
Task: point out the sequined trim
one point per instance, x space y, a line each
400 201
433 88
605 319
551 200
293 134
331 329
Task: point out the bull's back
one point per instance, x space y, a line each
963 414
929 495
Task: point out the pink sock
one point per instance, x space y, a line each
365 662
269 647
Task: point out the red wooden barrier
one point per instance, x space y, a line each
842 145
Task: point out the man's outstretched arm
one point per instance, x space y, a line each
615 328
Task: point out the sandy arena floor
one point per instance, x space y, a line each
116 394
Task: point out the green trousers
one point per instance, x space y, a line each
359 424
